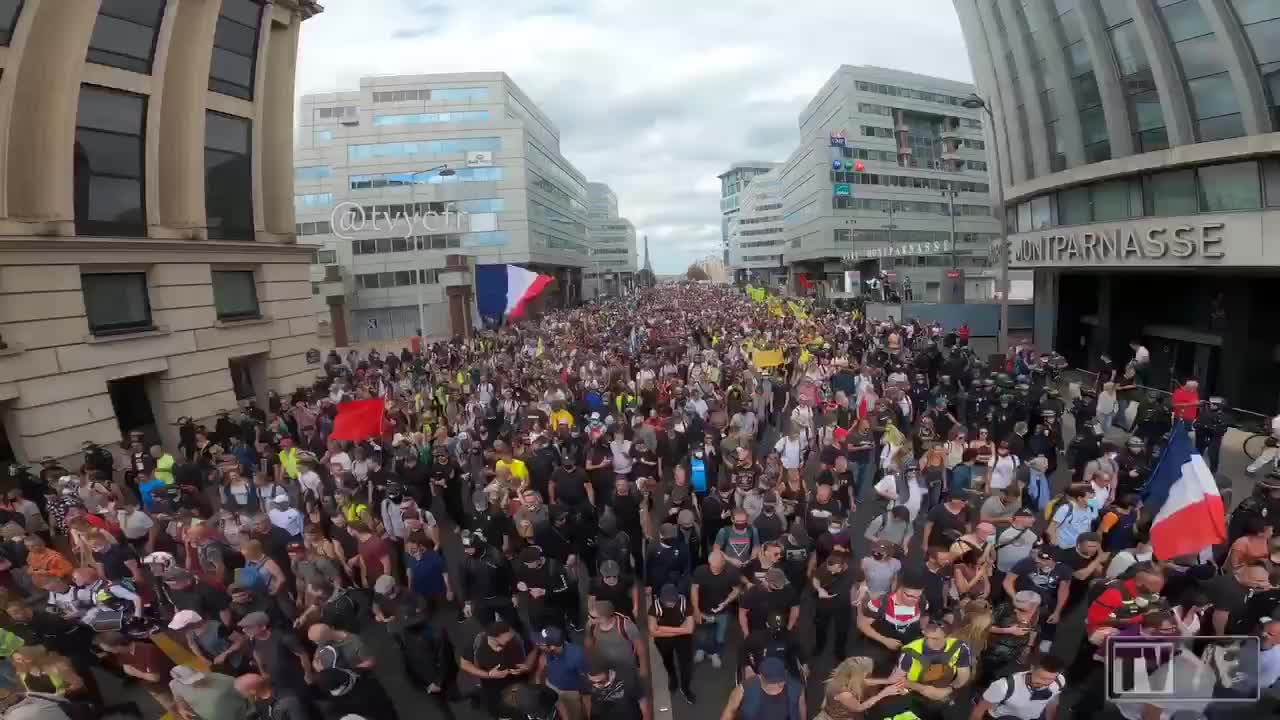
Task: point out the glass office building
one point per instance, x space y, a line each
405 183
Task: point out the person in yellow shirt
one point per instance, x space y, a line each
516 467
560 416
288 467
164 465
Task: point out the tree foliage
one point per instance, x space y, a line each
695 272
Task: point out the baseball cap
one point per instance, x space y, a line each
384 585
281 499
775 578
610 568
184 619
256 618
186 674
552 636
773 670
1024 512
670 595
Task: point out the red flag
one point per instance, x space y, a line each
358 420
804 281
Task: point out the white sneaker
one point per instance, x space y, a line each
715 660
699 656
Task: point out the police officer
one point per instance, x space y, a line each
1264 503
1153 419
1003 417
1133 464
1046 439
1210 426
920 394
1085 447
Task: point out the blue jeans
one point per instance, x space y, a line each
709 636
1106 419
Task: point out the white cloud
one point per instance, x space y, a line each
654 97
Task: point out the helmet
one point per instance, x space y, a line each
1023 380
1217 401
1005 398
988 384
1048 413
1022 388
1002 378
1053 392
944 379
1135 443
1271 481
163 559
1153 396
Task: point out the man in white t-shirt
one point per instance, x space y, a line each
1027 695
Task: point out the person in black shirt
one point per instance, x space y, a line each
667 561
798 558
498 657
1086 563
1230 595
541 585
946 523
833 583
937 573
187 593
414 476
618 589
70 639
769 523
760 602
614 694
772 640
671 626
116 561
717 512
822 507
446 481
570 485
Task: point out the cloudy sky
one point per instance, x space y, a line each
654 97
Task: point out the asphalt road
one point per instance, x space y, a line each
712 686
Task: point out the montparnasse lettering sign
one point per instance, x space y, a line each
1123 245
906 249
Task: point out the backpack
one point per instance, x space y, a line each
1009 689
1121 534
1052 508
254 576
1099 586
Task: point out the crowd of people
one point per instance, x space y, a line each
690 469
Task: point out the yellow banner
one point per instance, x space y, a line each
766 358
797 310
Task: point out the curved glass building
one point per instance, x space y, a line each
1141 169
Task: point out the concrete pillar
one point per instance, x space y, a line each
1100 340
980 56
1041 17
275 120
1005 100
1045 286
1103 59
155 118
1238 358
46 93
186 83
1165 72
1234 49
1027 84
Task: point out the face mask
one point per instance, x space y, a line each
835 529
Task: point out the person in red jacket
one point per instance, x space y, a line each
1186 401
963 334
1124 603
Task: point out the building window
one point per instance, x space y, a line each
326 257
235 295
228 176
313 200
1169 194
324 136
110 130
9 11
124 35
1074 207
1230 187
465 116
116 302
1261 22
452 146
235 48
1271 174
316 172
1213 101
460 94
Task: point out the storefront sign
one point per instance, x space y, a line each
1134 244
898 250
842 190
838 139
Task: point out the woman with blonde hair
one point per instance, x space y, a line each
41 671
847 693
973 626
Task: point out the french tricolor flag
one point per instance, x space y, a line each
1191 515
502 291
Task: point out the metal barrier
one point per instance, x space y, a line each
1236 412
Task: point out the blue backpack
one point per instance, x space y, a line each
698 474
254 576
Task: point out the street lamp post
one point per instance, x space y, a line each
445 171
973 102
